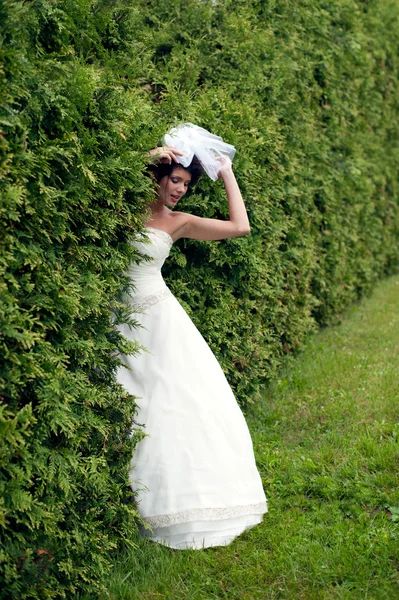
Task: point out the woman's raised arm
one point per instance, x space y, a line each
200 228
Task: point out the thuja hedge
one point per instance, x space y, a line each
72 193
307 92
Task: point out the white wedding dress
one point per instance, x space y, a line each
194 473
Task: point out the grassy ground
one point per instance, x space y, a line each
326 442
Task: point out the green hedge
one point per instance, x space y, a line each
72 193
308 93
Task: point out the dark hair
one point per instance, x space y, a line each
162 170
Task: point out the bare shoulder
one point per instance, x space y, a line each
173 222
178 221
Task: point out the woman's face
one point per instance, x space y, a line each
172 187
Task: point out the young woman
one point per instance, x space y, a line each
194 472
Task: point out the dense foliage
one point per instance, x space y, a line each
71 193
308 93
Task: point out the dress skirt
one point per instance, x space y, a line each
194 472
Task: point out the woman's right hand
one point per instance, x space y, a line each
165 154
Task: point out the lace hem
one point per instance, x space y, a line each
163 235
152 299
206 514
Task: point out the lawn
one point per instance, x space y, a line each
326 443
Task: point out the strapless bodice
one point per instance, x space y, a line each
146 276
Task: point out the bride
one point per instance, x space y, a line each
194 472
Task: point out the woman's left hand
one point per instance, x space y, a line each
225 166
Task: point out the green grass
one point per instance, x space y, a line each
326 442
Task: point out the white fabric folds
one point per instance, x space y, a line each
194 473
193 140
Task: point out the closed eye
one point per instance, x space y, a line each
178 179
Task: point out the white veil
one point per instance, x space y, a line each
193 140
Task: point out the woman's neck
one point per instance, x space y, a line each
157 207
